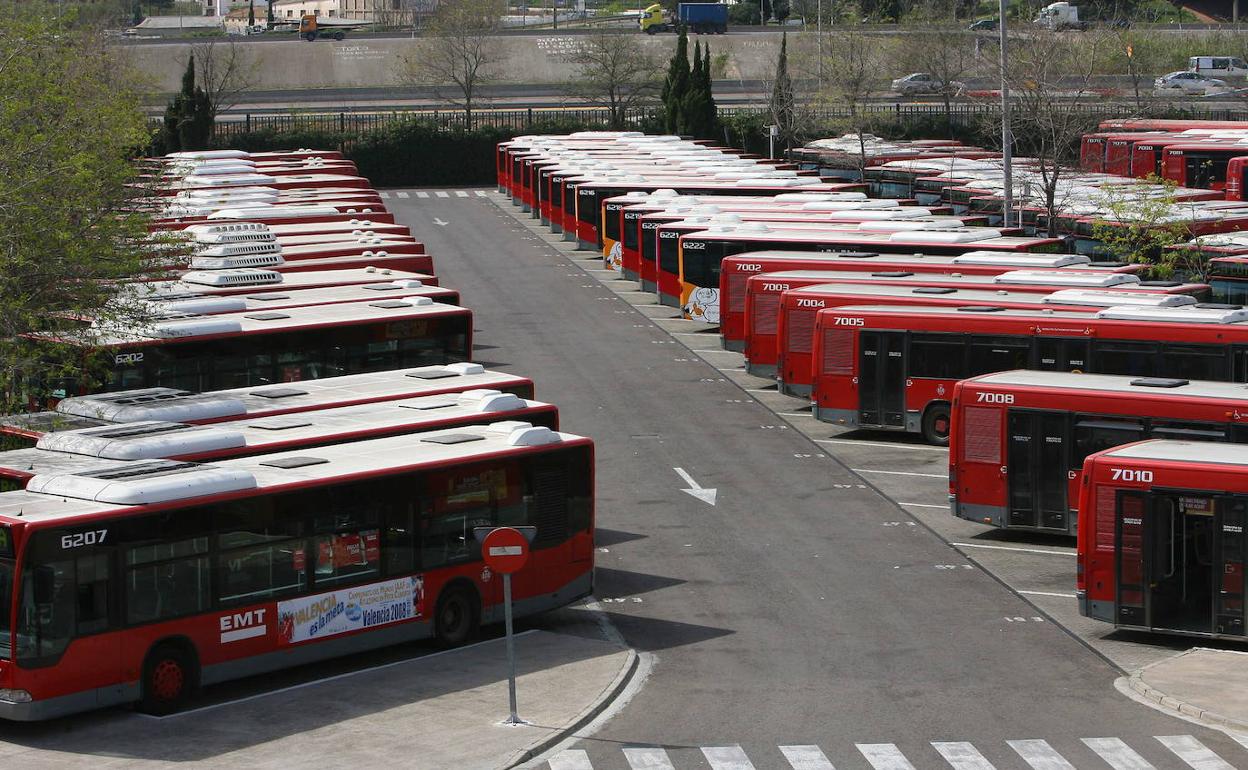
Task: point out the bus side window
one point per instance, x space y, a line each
998 354
457 501
1120 357
1195 362
1092 434
941 356
1239 359
1187 431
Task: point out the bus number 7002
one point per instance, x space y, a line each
91 537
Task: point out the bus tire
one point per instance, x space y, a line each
936 424
170 675
457 616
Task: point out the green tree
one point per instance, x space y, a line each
461 54
616 74
676 85
189 116
1139 221
70 121
783 104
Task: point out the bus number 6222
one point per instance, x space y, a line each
79 539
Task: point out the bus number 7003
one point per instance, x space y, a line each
91 537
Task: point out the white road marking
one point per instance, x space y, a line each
1193 752
881 444
482 194
924 505
383 195
795 414
404 195
461 194
1046 593
571 759
961 755
1040 755
1242 740
903 473
884 756
1071 552
727 758
422 194
806 758
438 221
648 759
442 193
1117 754
706 495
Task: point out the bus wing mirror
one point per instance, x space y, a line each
44 584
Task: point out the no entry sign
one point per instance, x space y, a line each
505 550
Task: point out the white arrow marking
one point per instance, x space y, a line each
437 221
696 489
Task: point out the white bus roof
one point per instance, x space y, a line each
757 231
1115 299
990 258
244 280
53 497
274 300
1073 279
1202 452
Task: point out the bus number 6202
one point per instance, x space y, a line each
79 539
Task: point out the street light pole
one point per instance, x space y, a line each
1007 137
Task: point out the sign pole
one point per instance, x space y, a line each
514 719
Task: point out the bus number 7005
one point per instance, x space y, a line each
91 537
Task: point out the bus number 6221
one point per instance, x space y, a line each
90 537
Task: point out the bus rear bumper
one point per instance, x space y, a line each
797 391
846 417
736 346
74 703
1097 610
992 515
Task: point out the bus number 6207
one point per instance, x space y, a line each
90 537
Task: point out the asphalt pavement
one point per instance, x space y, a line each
805 608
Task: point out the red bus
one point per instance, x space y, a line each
761 343
203 256
107 446
302 343
249 280
278 215
197 156
795 321
735 271
288 181
1161 538
202 304
255 403
359 259
895 368
323 232
692 282
1019 438
1200 164
203 203
130 588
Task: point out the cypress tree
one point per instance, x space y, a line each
188 118
710 117
782 104
689 122
676 86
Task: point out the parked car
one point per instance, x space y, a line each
984 25
1187 82
924 83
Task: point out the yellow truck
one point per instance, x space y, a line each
698 18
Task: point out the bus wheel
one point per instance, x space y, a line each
936 425
455 620
168 679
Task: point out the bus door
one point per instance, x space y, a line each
882 379
1037 477
1180 535
1229 570
1061 354
1130 535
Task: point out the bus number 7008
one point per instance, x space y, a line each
995 398
91 537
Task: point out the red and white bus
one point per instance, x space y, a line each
895 368
795 320
763 301
279 215
202 304
326 232
735 271
1161 538
106 446
303 343
142 583
412 262
255 403
1019 438
249 280
694 286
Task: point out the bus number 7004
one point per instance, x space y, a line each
91 537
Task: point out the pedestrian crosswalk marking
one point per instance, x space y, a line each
806 758
442 194
961 755
726 758
1040 755
422 194
461 194
648 759
1193 752
1117 754
404 195
884 756
481 193
384 195
571 759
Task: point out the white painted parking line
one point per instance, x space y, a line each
571 759
461 194
961 755
648 759
404 195
902 473
1117 754
1071 552
442 193
422 194
795 414
1193 752
881 444
1040 755
727 758
884 756
761 390
924 505
1046 593
806 758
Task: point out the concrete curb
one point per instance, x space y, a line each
1136 682
608 695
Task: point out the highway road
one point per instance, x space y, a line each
805 608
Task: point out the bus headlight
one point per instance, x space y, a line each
15 696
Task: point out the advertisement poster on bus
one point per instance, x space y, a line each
350 609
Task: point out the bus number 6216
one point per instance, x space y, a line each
90 537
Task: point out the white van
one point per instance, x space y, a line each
1218 66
